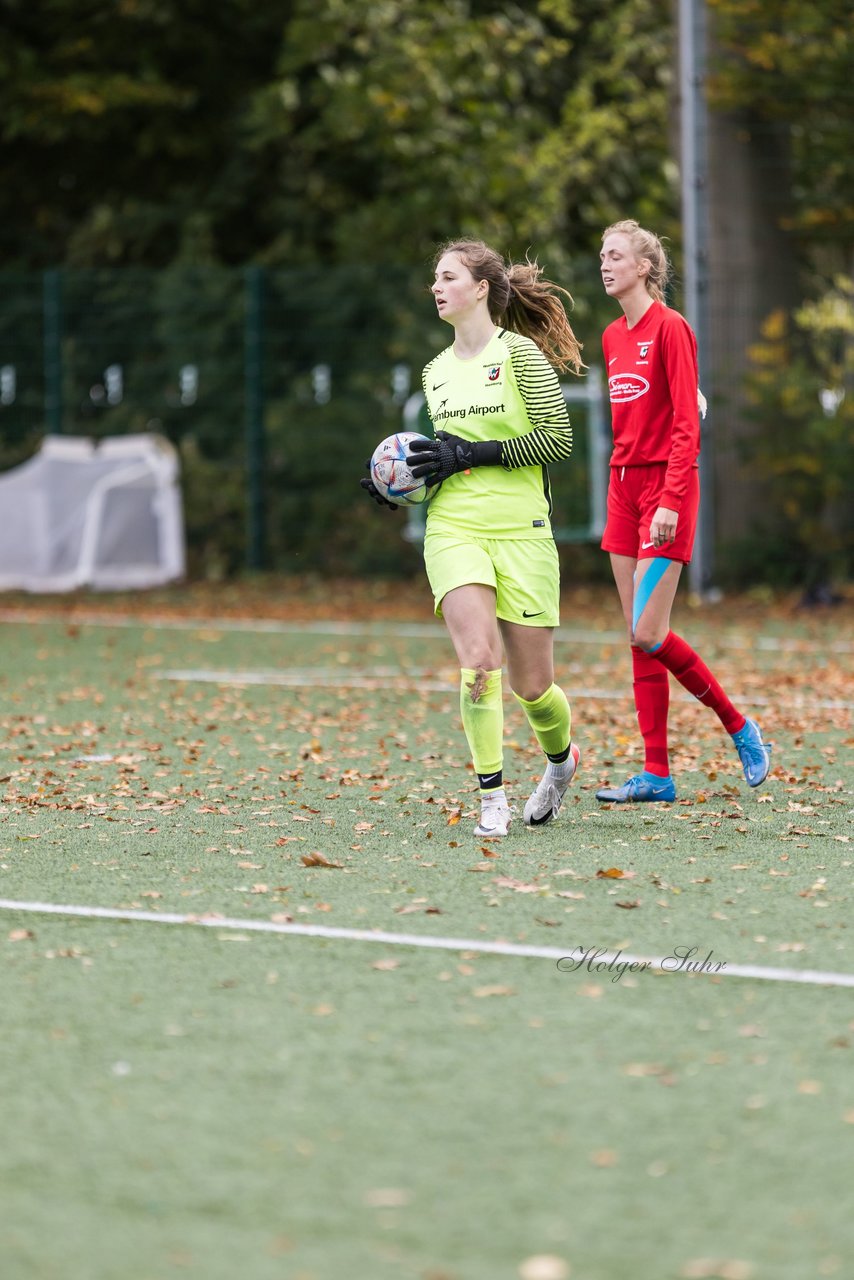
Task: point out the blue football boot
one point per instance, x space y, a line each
644 786
755 755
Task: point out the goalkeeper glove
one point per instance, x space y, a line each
373 492
443 457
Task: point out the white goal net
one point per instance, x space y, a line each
83 513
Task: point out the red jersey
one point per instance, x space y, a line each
652 385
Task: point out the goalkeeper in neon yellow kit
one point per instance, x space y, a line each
500 418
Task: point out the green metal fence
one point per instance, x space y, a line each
274 385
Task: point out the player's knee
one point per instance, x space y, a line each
645 637
531 690
481 659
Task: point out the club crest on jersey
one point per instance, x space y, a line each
644 350
494 373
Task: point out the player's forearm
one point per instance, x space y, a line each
542 445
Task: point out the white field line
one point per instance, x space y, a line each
316 678
396 677
275 626
601 958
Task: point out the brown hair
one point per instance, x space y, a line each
520 298
645 245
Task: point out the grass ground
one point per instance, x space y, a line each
225 1102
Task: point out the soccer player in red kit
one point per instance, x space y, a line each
653 497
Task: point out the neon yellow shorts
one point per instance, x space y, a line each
525 574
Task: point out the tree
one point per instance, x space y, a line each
788 65
119 138
781 207
325 130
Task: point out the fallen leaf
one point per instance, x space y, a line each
614 873
387 1197
318 860
716 1269
544 1266
628 906
519 886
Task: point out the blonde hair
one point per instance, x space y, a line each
521 299
645 245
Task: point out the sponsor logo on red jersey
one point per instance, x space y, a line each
626 386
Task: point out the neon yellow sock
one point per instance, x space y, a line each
551 719
482 711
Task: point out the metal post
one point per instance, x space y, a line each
694 167
52 326
253 360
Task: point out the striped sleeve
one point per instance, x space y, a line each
550 439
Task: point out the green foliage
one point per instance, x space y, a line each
800 395
119 125
326 131
400 124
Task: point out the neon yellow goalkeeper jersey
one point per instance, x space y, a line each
508 392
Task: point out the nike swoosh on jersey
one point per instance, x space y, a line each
525 614
437 385
644 545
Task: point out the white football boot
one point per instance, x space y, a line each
544 804
495 817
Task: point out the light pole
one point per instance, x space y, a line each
694 180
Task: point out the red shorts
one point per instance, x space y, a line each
634 496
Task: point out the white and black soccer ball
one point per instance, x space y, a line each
390 470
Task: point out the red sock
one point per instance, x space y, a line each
652 698
691 672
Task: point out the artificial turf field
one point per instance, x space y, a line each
204 1098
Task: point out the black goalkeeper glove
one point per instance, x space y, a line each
437 459
373 492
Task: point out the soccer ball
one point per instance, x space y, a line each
390 470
